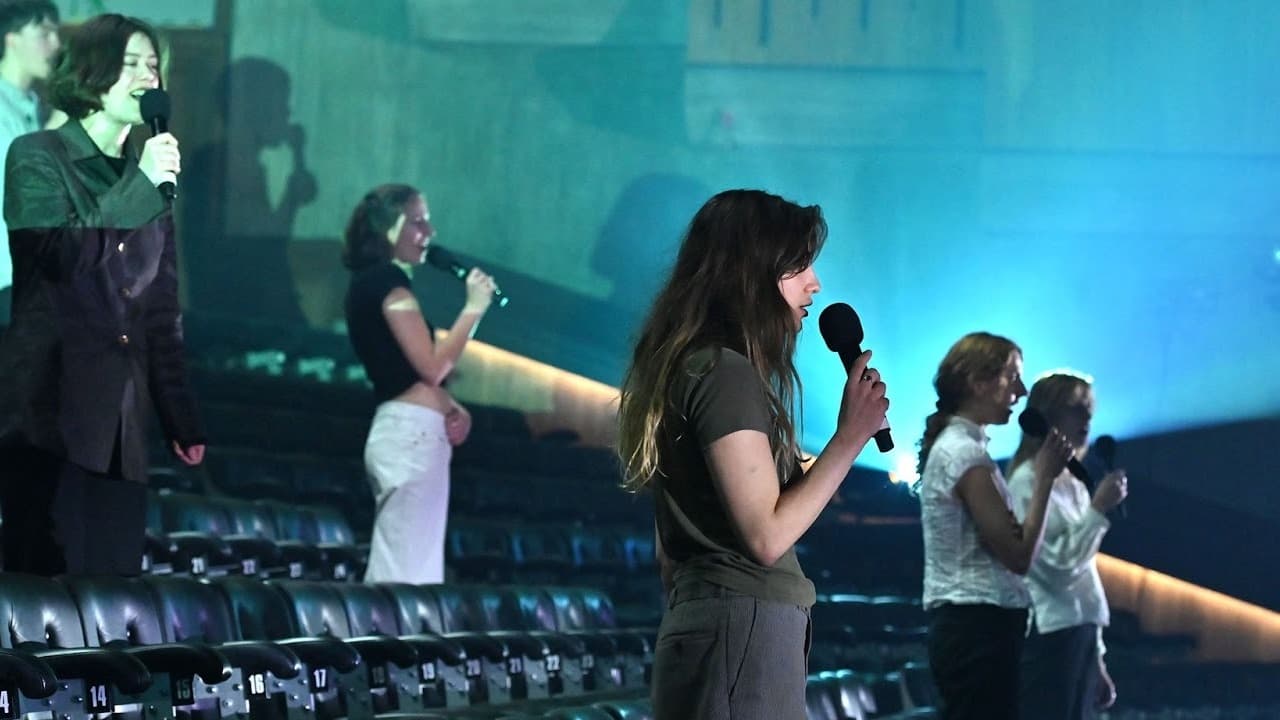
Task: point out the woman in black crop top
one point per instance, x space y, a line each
417 422
705 422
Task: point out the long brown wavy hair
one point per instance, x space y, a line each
974 358
723 290
1050 395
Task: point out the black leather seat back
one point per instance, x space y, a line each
331 526
542 553
598 608
37 610
586 712
459 611
114 609
571 613
317 608
370 611
249 518
820 699
191 611
479 551
155 516
535 608
292 522
193 513
496 607
597 549
259 611
632 709
417 608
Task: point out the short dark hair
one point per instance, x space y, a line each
365 241
92 60
17 14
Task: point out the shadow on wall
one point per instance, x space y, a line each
639 241
242 197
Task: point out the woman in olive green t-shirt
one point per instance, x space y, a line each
705 423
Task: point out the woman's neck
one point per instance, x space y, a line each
405 266
972 416
109 135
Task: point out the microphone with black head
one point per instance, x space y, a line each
442 259
1034 424
842 330
1105 448
155 107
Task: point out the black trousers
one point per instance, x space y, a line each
974 653
61 518
1060 674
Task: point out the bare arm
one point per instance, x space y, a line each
768 518
433 361
1014 544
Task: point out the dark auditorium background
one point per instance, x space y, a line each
1106 176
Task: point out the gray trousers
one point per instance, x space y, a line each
723 655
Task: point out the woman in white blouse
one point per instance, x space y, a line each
1063 675
974 547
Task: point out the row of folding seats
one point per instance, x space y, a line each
236 646
619 559
881 558
190 534
900 694
507 494
872 634
198 534
871 618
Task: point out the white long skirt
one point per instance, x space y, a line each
407 457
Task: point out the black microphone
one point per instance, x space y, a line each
442 259
154 105
842 331
1034 424
1105 447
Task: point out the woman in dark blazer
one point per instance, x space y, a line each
96 330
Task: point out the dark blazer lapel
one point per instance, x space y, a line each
91 166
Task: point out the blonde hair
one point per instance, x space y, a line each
975 357
1052 392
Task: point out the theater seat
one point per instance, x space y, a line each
920 688
602 664
40 619
490 669
390 681
261 612
478 551
583 609
266 677
441 672
195 528
332 534
121 612
628 709
585 712
820 700
24 681
477 610
541 554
